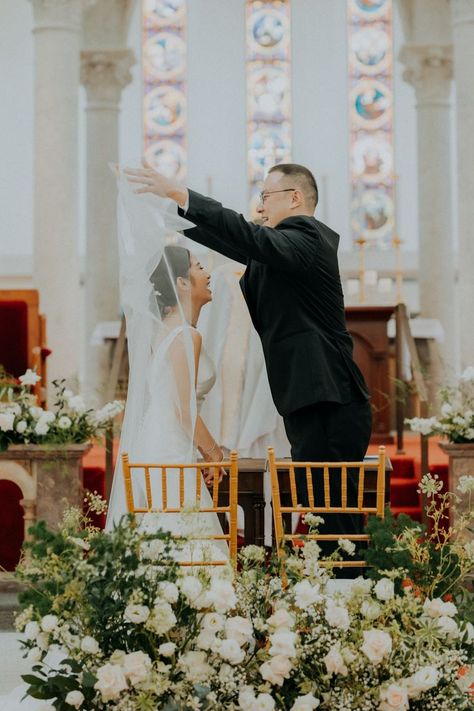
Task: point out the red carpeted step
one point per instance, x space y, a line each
413 511
403 492
403 466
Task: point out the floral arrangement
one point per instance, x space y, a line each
456 418
111 622
70 421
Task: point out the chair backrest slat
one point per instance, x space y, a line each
309 484
181 487
198 484
149 500
294 496
344 486
361 488
327 490
164 487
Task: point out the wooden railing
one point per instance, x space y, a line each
404 337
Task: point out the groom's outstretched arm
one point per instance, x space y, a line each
284 248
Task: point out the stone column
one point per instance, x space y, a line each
429 70
104 73
56 31
463 43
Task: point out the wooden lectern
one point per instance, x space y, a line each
368 328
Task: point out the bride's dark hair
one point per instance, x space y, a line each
175 263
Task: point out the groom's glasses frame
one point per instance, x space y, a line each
263 196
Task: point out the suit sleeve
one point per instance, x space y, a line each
223 230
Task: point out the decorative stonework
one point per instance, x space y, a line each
105 73
429 69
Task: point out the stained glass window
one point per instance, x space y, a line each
371 120
164 85
268 89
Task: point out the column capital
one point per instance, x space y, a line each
429 68
104 73
462 12
59 14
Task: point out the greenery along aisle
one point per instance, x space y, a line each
136 632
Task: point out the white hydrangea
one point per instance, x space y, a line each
466 484
168 591
423 425
36 412
21 426
162 618
41 428
6 421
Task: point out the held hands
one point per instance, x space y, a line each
153 182
213 455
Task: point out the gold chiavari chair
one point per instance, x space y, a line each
312 470
163 471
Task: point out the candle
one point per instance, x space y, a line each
370 277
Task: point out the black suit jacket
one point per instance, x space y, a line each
294 295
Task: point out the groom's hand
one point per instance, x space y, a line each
153 182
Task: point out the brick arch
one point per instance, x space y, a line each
13 472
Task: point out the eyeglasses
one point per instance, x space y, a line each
263 195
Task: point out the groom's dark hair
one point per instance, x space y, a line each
174 263
303 179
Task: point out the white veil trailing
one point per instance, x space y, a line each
160 411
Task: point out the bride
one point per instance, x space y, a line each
163 289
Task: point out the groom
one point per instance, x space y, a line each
293 292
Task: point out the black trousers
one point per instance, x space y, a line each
329 431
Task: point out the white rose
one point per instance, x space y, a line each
136 613
424 679
337 615
49 623
384 589
196 666
76 403
205 639
6 421
394 698
230 651
281 618
29 378
110 682
377 645
41 428
246 699
75 698
64 422
361 586
31 630
370 609
168 591
167 649
21 426
306 594
47 416
89 645
212 621
240 629
448 627
34 655
191 588
283 643
335 663
276 670
222 596
264 702
308 702
136 667
162 618
438 608
36 412
469 632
